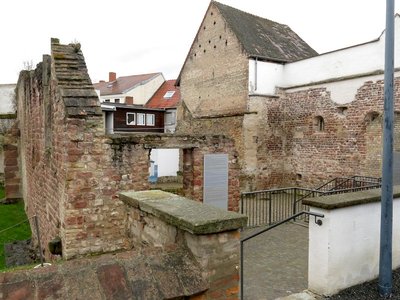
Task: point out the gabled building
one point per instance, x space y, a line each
214 79
134 89
297 117
167 97
122 118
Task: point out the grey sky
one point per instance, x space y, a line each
134 37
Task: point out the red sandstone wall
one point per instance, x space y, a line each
71 172
294 152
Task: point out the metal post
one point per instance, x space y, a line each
385 257
38 237
241 270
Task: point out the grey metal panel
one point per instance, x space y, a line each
215 188
396 167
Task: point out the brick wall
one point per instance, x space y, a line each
214 83
70 170
294 151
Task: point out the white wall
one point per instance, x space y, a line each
344 251
268 76
356 60
6 96
140 93
167 161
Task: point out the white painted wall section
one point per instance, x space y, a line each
167 161
344 251
141 93
6 96
264 77
365 58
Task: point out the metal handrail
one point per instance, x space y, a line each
258 232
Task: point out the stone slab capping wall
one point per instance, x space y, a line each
344 251
164 220
70 171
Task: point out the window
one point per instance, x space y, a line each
150 118
319 123
107 100
169 118
169 94
130 118
141 119
116 100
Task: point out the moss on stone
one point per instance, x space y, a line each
183 213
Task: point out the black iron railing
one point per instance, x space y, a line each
270 206
267 207
317 220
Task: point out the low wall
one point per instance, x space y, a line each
344 251
153 274
164 220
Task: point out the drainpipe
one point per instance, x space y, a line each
255 74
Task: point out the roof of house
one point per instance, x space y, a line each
167 96
110 106
265 38
123 84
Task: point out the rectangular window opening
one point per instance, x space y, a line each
141 119
130 119
150 119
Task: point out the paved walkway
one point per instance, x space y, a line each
276 262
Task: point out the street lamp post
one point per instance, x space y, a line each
385 256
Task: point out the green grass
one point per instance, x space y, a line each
10 215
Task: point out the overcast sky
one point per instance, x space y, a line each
135 37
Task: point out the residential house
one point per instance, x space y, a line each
120 118
142 103
134 89
7 95
167 97
297 117
7 116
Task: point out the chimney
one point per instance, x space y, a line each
129 100
112 76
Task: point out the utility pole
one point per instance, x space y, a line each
385 256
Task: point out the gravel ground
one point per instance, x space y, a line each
369 290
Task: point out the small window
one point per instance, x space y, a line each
150 118
107 100
169 94
319 123
130 118
117 100
141 119
170 118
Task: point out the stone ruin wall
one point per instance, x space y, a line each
71 172
293 152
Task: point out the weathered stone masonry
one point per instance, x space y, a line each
294 151
71 172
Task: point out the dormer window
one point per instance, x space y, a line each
169 94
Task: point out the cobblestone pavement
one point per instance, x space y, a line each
276 262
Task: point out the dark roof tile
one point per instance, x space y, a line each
265 38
